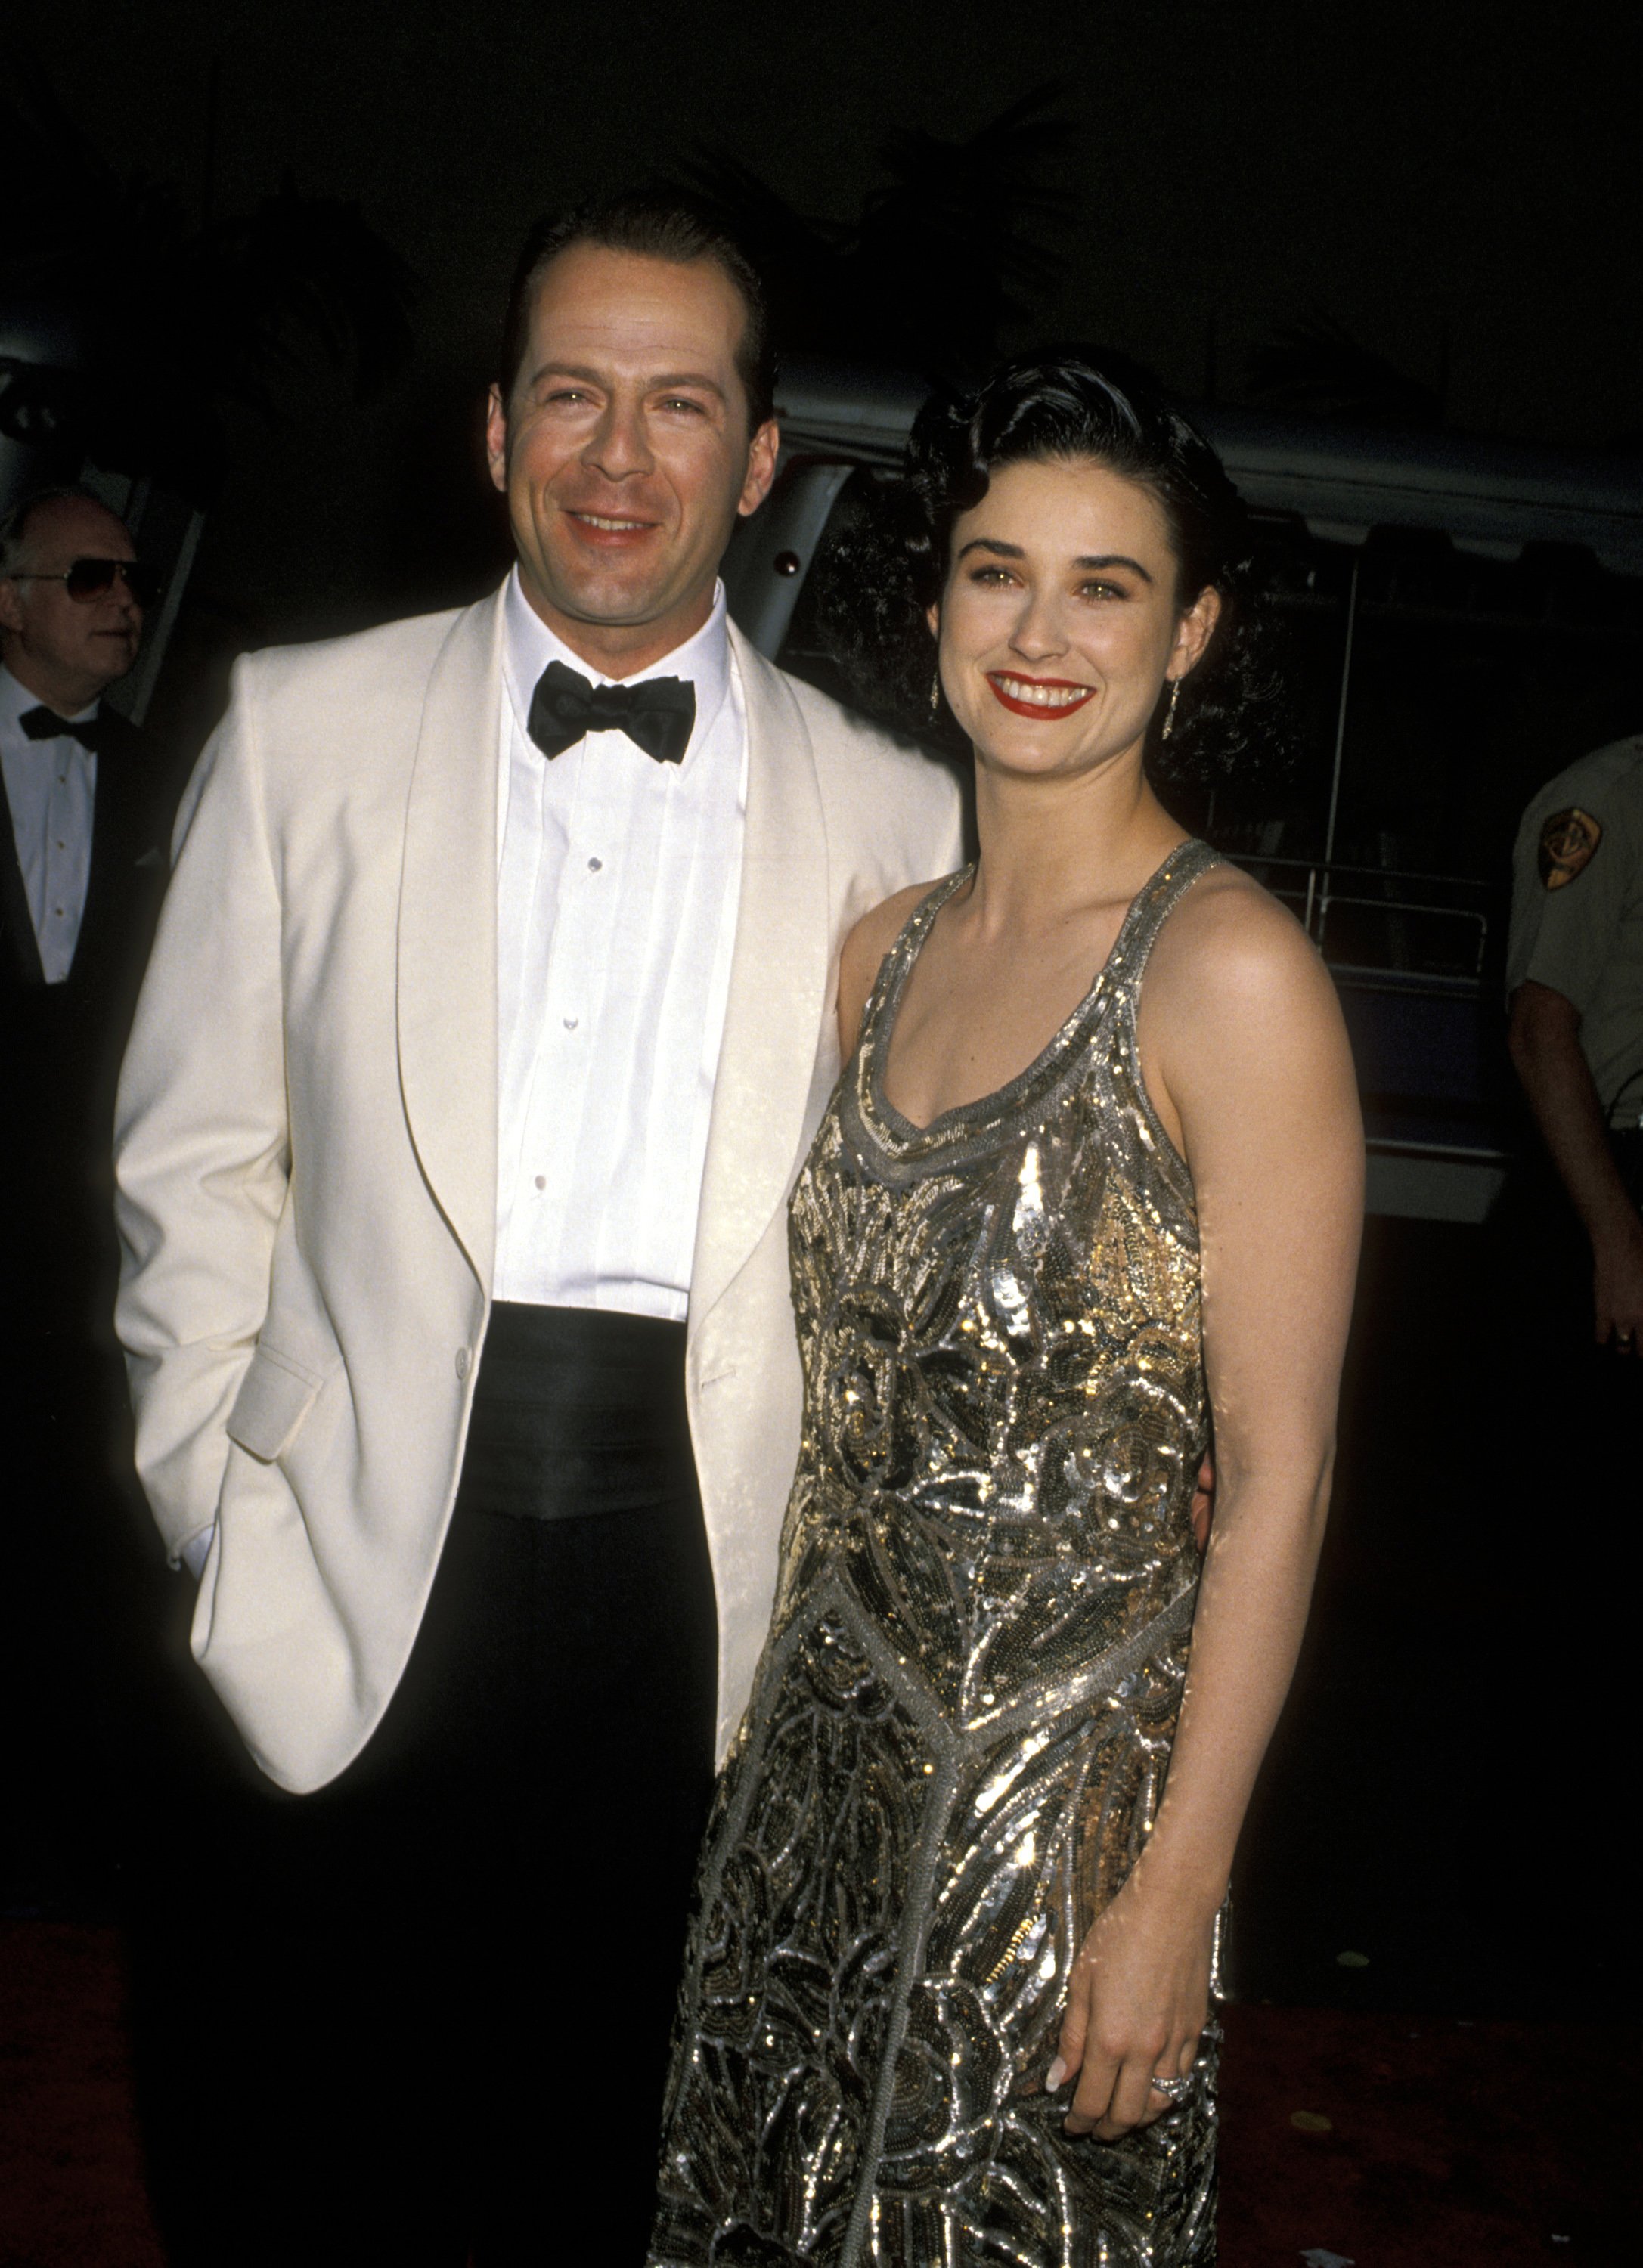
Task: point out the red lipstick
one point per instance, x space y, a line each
1053 710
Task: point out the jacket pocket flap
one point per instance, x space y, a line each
273 1400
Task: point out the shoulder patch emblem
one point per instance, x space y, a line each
1568 844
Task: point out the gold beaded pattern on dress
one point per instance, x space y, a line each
961 1720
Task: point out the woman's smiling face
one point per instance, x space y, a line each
1062 618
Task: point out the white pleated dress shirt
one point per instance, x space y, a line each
618 883
51 788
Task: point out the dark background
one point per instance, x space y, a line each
1456 184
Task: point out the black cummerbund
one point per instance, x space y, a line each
577 1410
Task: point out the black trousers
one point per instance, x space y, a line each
1577 1408
421 2016
82 1574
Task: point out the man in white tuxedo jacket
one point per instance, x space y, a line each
491 1013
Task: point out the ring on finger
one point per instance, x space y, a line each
1174 2090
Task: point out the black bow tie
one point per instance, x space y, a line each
656 714
46 725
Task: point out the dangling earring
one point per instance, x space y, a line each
935 691
1169 714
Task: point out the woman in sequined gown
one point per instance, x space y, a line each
947 1995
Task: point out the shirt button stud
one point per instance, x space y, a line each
570 1023
464 1362
595 865
541 1180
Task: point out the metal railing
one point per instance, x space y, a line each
1400 897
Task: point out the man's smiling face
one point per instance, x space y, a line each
624 452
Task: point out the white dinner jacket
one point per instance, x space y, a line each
306 1151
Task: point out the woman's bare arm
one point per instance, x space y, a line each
1246 1055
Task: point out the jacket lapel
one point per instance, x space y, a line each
778 986
447 934
18 941
113 887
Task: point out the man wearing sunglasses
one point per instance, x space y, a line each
72 600
81 870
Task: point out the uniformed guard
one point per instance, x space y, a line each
1574 978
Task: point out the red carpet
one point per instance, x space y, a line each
71 2168
1446 2145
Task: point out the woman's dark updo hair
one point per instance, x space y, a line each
890 565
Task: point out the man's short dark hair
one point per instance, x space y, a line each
659 224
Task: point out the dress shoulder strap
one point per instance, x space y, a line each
898 963
1150 909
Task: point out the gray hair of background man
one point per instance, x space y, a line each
14 524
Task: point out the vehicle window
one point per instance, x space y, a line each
1471 682
803 651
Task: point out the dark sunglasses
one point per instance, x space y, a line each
94 578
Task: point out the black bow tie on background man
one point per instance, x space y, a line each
656 714
46 725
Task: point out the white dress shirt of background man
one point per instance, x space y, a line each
491 1016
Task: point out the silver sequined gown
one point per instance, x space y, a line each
962 1717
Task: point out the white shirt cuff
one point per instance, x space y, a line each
195 1552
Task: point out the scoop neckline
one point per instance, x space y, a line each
910 943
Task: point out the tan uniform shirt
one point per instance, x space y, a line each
1577 912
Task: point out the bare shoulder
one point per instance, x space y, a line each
1243 1044
863 956
1231 951
876 932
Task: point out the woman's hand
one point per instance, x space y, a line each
1138 2003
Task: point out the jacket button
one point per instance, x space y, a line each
463 1361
